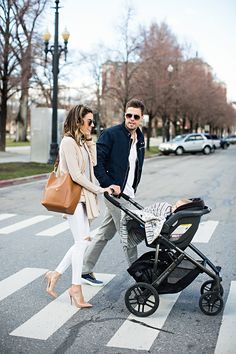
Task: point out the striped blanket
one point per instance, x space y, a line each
154 217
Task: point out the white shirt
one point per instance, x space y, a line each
132 163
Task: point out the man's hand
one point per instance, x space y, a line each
116 189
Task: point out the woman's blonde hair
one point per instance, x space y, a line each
74 121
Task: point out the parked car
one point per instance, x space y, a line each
214 139
224 144
217 141
231 139
194 142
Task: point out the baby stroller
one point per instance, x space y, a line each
168 268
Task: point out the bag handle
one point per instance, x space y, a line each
56 163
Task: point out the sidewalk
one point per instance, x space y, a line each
22 154
15 154
18 154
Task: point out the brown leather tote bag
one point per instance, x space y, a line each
61 194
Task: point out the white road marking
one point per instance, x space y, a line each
22 224
135 336
47 321
55 230
6 216
205 231
18 280
58 229
226 342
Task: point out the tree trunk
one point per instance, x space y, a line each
175 126
149 131
191 125
168 129
183 124
165 127
22 117
3 116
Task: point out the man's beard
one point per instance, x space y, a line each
131 130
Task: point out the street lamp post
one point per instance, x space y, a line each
55 51
170 70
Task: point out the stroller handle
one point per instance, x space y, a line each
112 199
115 202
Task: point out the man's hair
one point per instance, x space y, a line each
135 103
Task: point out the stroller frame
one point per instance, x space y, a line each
142 299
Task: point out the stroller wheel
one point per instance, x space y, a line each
209 286
211 303
142 299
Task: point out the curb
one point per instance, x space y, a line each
21 180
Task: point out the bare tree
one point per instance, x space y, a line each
26 13
159 49
94 62
125 64
41 82
8 64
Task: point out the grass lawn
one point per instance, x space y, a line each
10 142
153 151
22 169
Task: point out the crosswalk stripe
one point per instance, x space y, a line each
203 234
205 231
58 229
18 280
6 216
25 223
55 230
226 342
47 321
138 337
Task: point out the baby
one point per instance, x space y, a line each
179 203
164 209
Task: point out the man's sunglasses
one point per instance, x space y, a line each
130 115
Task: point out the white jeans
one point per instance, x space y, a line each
79 226
110 225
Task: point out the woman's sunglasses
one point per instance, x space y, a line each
130 115
90 122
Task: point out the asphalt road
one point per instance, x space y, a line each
31 243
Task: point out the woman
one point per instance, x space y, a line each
77 155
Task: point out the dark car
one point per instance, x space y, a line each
217 142
224 144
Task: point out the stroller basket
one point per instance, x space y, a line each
143 271
181 277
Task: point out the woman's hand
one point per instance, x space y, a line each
108 190
116 189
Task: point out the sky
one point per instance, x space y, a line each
208 25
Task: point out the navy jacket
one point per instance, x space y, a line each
113 147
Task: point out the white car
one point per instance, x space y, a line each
194 142
231 139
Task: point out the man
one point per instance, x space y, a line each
120 155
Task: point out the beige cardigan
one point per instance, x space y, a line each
71 160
